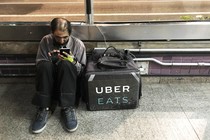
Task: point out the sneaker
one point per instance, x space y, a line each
69 118
40 121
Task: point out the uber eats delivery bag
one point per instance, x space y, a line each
112 80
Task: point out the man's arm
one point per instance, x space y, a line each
81 60
42 53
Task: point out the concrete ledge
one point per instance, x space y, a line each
175 79
145 79
17 80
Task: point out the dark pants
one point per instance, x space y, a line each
55 83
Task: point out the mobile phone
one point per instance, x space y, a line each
67 50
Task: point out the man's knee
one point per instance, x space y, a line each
44 66
66 65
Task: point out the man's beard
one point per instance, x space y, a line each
59 45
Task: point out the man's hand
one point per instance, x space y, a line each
68 57
54 55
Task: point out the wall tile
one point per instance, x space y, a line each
185 71
204 71
165 70
194 71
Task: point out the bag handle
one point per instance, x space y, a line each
117 51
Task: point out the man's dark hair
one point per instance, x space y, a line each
61 24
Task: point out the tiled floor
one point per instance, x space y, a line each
167 111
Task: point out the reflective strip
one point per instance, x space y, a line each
135 76
91 77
